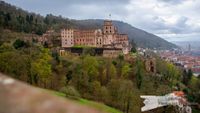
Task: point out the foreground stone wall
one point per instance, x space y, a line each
18 97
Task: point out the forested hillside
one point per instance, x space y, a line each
115 82
19 20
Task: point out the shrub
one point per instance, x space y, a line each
19 43
70 92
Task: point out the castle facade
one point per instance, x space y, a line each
107 37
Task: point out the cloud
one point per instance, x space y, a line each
174 18
173 2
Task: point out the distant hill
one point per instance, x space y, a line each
19 20
195 45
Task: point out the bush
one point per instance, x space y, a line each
70 92
19 43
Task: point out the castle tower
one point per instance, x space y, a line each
108 27
109 32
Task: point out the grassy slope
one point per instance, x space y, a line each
99 106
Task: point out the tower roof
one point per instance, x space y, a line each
108 22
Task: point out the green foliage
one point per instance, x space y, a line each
139 73
16 19
113 71
99 106
190 74
193 90
19 44
6 47
121 94
121 57
114 82
33 67
86 76
70 92
90 65
171 73
126 70
40 66
14 64
168 72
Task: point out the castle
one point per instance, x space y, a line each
107 38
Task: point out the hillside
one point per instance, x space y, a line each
20 20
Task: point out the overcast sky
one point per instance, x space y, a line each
173 20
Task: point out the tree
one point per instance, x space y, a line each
139 73
41 68
31 19
190 74
102 69
187 76
109 72
7 19
90 65
95 90
121 57
104 94
126 91
19 44
113 71
125 70
68 76
70 92
193 94
121 92
80 79
6 47
172 74
14 64
133 48
113 88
